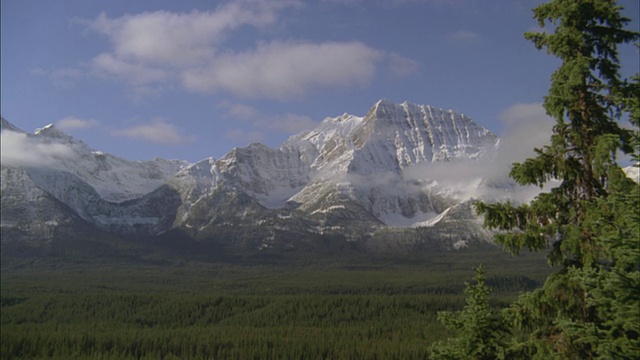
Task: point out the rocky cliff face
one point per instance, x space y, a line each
366 158
347 180
112 194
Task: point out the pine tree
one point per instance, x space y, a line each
480 332
590 307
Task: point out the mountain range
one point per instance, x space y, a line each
385 181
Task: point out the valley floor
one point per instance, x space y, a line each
354 307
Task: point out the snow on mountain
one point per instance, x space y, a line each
114 179
108 192
365 158
633 172
348 159
271 176
27 210
352 178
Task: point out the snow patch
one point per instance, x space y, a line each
277 197
633 172
420 219
329 209
460 244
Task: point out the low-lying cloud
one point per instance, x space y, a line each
108 65
526 126
19 149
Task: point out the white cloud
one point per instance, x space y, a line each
153 47
401 66
464 36
526 126
18 149
394 2
107 64
153 50
157 131
280 70
72 122
182 39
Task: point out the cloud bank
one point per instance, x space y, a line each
526 127
162 49
182 39
280 70
18 149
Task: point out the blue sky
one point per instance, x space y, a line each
191 79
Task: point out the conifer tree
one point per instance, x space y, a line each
480 332
590 307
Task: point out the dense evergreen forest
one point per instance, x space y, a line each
327 308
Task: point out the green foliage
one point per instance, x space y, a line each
630 99
327 309
586 97
590 307
480 332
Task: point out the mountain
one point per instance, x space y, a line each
371 183
633 172
112 178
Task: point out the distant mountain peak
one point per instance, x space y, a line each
51 131
46 127
6 125
382 109
345 179
385 102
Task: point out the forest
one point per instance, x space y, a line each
366 307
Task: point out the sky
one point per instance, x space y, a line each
192 79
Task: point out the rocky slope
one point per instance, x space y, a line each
352 180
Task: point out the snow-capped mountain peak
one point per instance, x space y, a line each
113 178
347 177
52 131
354 158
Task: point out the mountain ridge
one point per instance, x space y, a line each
346 180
